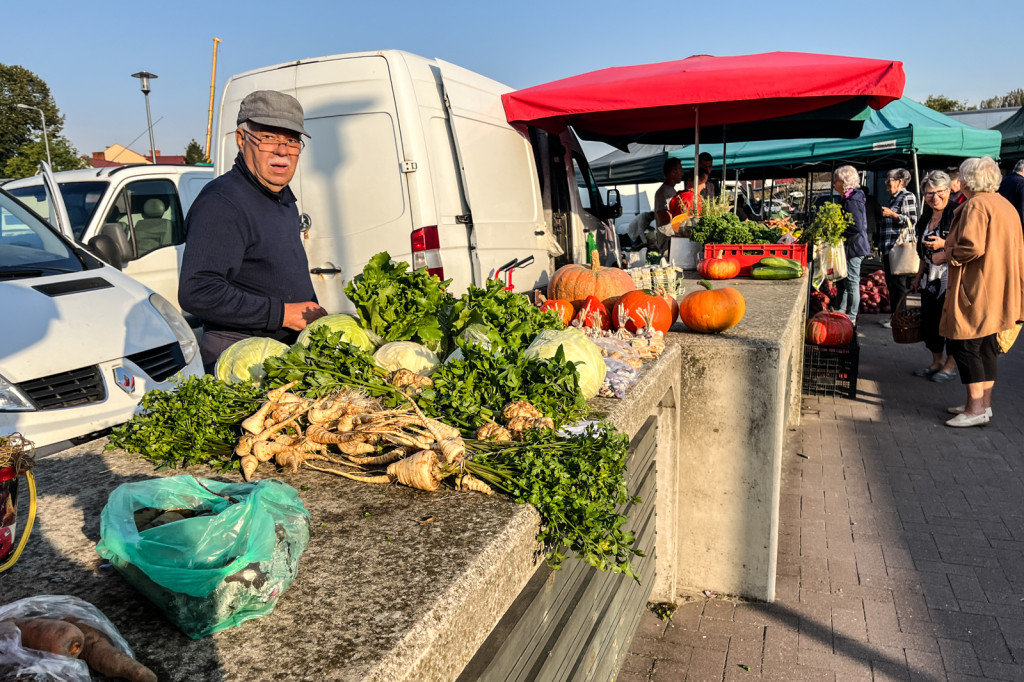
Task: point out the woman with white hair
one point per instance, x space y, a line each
900 214
985 290
936 219
846 182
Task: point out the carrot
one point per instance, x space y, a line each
53 636
106 659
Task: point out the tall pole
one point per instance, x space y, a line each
213 84
46 141
144 77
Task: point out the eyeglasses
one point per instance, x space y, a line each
271 143
938 192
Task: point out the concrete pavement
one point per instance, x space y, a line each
901 549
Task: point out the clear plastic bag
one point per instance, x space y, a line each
18 662
618 349
207 573
618 380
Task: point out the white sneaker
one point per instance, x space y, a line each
959 409
963 421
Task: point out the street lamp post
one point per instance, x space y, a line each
46 141
144 77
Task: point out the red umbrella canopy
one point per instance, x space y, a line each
628 102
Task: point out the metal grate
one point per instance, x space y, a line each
76 387
160 363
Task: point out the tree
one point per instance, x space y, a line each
944 104
194 154
19 127
26 162
1014 98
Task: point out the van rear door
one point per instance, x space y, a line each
499 178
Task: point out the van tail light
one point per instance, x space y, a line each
426 251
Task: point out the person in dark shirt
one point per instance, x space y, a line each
243 271
1012 189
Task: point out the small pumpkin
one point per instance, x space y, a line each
575 282
829 329
718 268
711 310
563 309
593 313
641 309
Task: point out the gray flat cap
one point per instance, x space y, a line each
272 108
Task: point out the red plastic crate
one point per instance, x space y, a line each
750 254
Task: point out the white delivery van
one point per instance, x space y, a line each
147 203
414 156
82 342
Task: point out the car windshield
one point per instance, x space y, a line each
29 247
80 200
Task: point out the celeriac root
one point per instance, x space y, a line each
493 431
404 379
520 408
517 425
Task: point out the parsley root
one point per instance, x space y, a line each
106 659
53 636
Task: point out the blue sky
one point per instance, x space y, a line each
86 52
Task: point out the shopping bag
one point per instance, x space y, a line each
903 257
683 253
1007 338
208 572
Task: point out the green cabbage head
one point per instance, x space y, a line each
346 324
243 360
577 348
406 355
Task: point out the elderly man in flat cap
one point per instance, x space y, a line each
244 272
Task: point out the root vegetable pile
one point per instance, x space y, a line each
75 639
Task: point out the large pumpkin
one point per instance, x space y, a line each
711 310
829 329
640 309
575 282
718 268
563 309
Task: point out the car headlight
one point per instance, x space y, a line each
178 325
13 399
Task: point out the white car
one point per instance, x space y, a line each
145 203
82 342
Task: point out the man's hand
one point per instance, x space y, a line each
298 315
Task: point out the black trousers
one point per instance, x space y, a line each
898 285
975 358
931 313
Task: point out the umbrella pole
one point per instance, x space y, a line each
696 153
917 178
725 154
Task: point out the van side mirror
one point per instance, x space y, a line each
106 249
614 201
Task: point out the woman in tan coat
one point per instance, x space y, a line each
985 291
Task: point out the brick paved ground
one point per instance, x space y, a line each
901 548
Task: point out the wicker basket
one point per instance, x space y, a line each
906 323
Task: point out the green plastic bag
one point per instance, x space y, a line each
207 573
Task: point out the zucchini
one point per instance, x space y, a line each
777 262
769 272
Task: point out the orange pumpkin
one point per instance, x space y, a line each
640 309
829 329
593 313
718 268
711 310
564 309
575 282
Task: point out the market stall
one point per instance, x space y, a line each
398 583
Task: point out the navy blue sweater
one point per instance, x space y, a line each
856 235
243 256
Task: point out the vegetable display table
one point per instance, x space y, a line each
398 584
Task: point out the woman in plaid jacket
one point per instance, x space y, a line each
900 214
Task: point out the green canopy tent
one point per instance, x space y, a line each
901 129
1012 130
